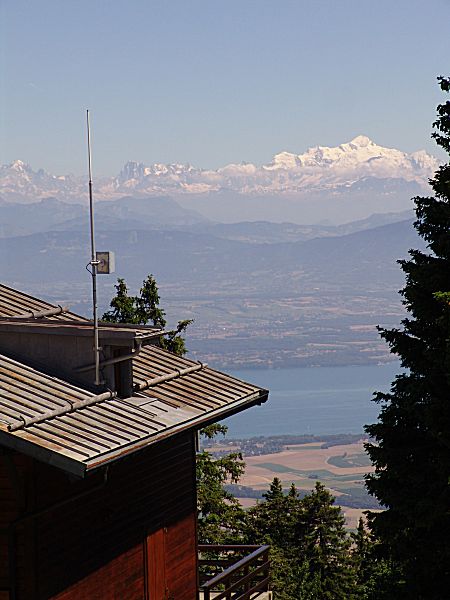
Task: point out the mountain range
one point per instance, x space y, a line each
150 213
344 183
363 259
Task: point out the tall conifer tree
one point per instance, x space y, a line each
323 541
411 451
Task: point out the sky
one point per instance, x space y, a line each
211 82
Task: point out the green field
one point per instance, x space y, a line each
350 460
315 474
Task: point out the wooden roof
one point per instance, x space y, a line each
76 430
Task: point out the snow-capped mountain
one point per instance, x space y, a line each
18 182
319 169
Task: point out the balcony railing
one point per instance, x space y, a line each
233 572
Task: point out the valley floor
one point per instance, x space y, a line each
340 468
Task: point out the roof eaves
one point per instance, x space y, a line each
44 454
196 422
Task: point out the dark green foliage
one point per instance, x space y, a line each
220 516
144 309
376 577
211 431
323 540
147 304
174 341
291 578
273 520
311 549
124 307
411 452
361 553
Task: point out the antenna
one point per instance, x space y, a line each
93 262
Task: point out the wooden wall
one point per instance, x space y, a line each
8 513
171 558
181 559
96 545
13 492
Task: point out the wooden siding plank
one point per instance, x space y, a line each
156 565
181 558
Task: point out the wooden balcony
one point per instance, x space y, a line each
234 572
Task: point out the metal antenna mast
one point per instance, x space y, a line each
93 262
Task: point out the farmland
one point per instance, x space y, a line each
340 468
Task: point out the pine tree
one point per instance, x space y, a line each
273 520
411 449
123 307
376 577
362 556
323 542
147 304
144 309
310 548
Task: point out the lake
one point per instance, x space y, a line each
313 400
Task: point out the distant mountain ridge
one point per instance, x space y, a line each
150 213
355 164
48 214
361 259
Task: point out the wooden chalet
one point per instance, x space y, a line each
97 487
